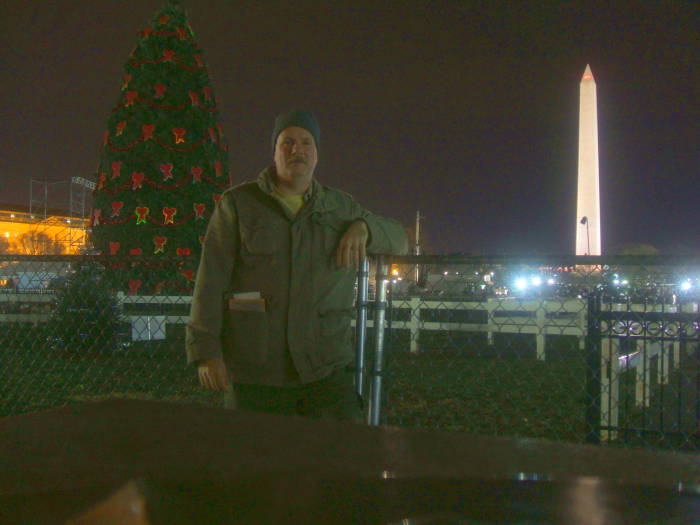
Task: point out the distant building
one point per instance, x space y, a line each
23 233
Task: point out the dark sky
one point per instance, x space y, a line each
465 110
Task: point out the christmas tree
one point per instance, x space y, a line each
163 164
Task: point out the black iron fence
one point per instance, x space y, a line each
566 348
583 349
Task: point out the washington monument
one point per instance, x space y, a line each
588 199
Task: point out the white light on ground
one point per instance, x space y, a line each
536 281
550 281
685 286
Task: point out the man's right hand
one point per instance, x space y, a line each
213 374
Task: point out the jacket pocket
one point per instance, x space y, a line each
257 245
246 336
335 336
256 238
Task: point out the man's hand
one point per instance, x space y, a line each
213 374
353 245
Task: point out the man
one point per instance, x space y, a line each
273 298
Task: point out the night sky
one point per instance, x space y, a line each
465 111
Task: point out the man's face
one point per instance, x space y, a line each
295 155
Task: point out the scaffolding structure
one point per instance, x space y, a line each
69 231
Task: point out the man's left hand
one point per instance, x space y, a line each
352 248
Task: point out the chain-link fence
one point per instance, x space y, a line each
75 328
580 349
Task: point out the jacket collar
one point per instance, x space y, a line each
316 193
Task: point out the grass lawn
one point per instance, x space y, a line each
494 396
33 378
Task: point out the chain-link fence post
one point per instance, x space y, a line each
361 326
593 371
379 317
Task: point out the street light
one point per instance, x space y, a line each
584 220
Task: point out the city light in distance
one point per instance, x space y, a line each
523 283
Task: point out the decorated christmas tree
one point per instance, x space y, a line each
163 164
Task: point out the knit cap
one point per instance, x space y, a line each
299 118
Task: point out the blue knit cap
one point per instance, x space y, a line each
299 118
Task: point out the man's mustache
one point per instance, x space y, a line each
294 160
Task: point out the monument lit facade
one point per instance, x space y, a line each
588 221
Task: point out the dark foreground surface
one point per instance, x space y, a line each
195 464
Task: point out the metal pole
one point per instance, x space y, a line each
379 316
593 369
417 246
588 239
361 327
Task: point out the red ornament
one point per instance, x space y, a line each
216 197
183 252
201 239
166 170
212 134
136 180
163 19
116 169
134 286
196 173
159 243
101 181
125 82
160 90
116 208
148 31
168 55
179 135
120 127
96 214
147 131
105 138
199 210
188 274
218 168
200 62
141 214
207 92
220 128
114 248
158 288
181 33
169 215
194 99
135 251
131 97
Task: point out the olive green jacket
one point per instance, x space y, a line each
254 244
